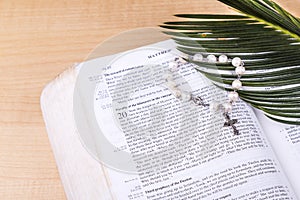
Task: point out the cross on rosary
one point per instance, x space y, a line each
231 122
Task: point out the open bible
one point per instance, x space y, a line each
118 132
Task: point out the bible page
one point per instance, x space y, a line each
285 140
162 147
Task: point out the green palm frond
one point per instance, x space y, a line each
265 36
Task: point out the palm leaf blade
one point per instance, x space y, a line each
265 36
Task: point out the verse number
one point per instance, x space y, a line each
122 115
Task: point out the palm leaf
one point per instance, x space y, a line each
265 36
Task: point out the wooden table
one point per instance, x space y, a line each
39 39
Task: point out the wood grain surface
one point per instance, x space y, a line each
38 40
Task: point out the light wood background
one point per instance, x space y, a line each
38 40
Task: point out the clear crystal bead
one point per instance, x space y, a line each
198 57
233 96
240 70
211 58
223 58
236 62
236 84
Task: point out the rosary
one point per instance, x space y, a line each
233 96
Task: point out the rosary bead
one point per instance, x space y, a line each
185 96
223 58
198 57
227 107
173 66
236 84
177 93
171 84
211 58
214 106
168 77
240 70
236 62
233 96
